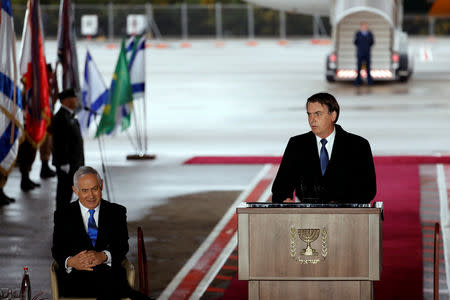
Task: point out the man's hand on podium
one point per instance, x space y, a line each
288 200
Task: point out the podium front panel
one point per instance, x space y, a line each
312 290
309 244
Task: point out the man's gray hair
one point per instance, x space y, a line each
82 171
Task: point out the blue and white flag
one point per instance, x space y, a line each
11 113
135 54
135 48
94 93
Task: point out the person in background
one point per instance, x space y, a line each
363 41
25 159
68 153
46 148
4 199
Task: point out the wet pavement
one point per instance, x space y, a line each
235 100
26 226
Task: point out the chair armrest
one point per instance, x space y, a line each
130 271
54 280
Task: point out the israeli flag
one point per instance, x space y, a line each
135 49
94 93
11 113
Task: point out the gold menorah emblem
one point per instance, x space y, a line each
308 235
308 255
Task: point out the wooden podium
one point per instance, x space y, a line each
309 253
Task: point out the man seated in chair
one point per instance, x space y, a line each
90 240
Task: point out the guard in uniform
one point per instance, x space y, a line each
68 153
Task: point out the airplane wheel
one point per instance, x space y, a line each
403 65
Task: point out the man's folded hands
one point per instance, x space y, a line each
86 260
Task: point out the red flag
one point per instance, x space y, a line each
33 69
67 51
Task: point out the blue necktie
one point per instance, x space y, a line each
92 227
323 156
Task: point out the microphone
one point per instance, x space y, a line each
87 108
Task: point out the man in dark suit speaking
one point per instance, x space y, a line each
90 240
326 164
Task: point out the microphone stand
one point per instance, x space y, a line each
107 178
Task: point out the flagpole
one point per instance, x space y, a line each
104 169
145 120
131 140
137 122
110 188
88 110
145 110
137 145
134 117
141 133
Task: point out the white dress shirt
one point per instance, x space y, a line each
328 145
85 215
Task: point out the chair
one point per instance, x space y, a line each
54 280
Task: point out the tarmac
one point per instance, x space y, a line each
231 100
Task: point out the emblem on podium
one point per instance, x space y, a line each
308 255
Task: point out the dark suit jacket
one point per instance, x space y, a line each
349 177
70 237
363 43
67 140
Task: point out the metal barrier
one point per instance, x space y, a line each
217 20
436 262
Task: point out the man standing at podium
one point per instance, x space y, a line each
327 164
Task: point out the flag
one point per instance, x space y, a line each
136 58
33 71
11 114
94 94
67 51
136 65
119 97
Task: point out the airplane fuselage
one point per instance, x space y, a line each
307 7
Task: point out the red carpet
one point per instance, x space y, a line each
257 160
399 189
402 274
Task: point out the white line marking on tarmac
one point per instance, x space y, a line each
212 236
215 268
441 292
443 200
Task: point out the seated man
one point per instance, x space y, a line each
327 164
90 240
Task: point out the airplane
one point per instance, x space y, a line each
392 59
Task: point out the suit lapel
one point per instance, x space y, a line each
101 224
315 155
337 147
80 225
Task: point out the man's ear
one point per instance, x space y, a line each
75 191
334 116
101 185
